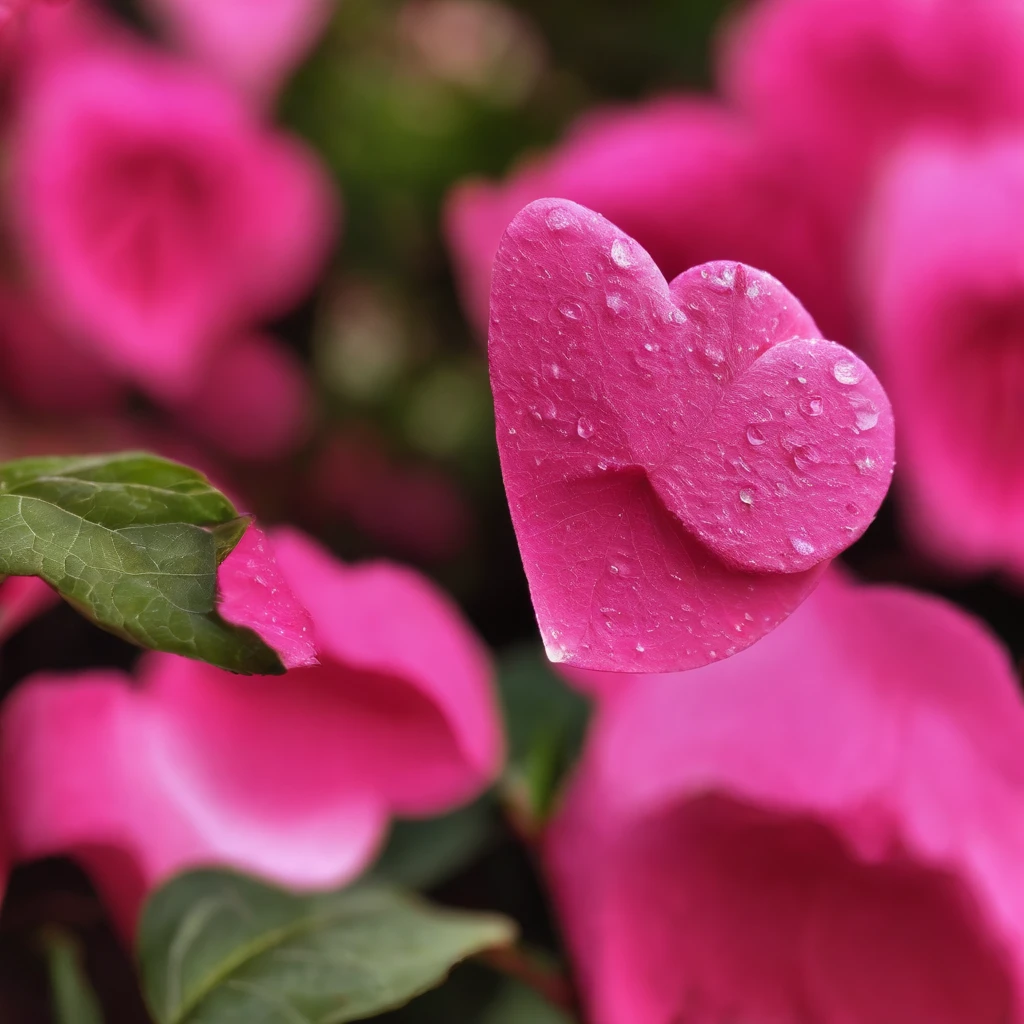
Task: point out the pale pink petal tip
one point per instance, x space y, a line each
254 594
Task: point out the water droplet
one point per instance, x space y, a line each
802 546
571 310
616 303
556 653
748 616
677 316
812 406
511 430
865 464
866 413
621 256
613 569
846 371
805 455
716 355
556 371
747 496
651 347
639 648
852 508
584 428
602 466
712 655
801 380
558 219
754 436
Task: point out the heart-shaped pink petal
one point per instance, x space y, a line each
682 461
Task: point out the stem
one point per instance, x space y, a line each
549 982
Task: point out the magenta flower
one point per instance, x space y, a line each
685 178
293 778
22 598
681 460
254 46
842 81
825 828
252 401
157 214
945 264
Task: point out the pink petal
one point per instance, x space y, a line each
681 461
252 46
820 828
253 401
386 620
843 81
254 594
946 295
22 598
156 211
687 179
292 778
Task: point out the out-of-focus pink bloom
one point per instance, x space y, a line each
415 509
254 46
686 179
22 598
292 778
823 828
43 370
157 214
681 460
843 80
252 400
945 265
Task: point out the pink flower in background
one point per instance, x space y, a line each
945 271
825 828
842 81
416 508
43 370
685 178
294 778
253 46
156 213
252 400
22 598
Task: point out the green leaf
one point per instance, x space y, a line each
423 854
133 542
517 1004
74 1001
546 721
220 948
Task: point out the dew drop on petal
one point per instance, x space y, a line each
621 256
846 371
571 310
747 496
755 436
558 219
802 546
812 406
584 428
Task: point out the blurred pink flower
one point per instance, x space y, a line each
253 399
156 213
22 598
841 81
824 828
945 270
292 778
43 370
253 46
685 178
415 508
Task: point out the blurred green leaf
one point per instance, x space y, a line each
546 721
74 1001
220 948
133 541
517 1004
423 854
